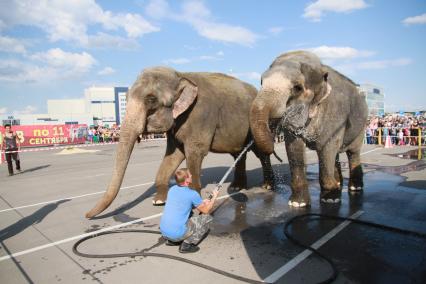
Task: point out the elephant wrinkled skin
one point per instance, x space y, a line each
318 107
200 112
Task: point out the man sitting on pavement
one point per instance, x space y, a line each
176 225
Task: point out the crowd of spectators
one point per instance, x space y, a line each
105 134
401 129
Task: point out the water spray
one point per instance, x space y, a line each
220 184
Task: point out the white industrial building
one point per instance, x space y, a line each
100 106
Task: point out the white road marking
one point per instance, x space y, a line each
375 149
70 198
276 275
9 256
13 255
99 192
303 255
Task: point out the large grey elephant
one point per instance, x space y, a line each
200 112
316 106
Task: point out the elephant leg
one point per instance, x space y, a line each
330 187
173 158
355 171
268 173
338 172
240 176
194 160
295 148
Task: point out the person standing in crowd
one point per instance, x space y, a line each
414 133
393 135
401 137
368 134
90 135
11 144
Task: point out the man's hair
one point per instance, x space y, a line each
181 174
7 124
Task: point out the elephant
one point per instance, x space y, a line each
317 107
200 112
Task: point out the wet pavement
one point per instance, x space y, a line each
246 236
360 253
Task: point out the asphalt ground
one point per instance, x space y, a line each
42 215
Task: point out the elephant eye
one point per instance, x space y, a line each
297 88
151 101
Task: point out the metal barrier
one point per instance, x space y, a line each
380 137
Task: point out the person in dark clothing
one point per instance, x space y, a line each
11 145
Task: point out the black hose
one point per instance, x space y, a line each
145 253
278 157
332 217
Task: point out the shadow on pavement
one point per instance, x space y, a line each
29 220
34 169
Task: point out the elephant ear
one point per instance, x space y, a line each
320 86
188 93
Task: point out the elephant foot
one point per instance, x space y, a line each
355 188
158 203
237 186
159 200
299 199
268 186
331 196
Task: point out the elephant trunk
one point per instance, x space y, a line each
133 125
259 124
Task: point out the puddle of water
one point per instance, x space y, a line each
416 154
398 170
233 217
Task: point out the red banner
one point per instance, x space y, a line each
44 135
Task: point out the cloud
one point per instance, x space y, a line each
26 110
103 40
416 20
106 71
158 9
57 58
314 11
3 110
184 60
70 20
46 66
381 64
253 76
196 14
275 30
13 45
177 61
352 68
218 56
339 52
199 16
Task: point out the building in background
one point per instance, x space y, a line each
100 106
106 104
375 98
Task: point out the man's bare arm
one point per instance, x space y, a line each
207 204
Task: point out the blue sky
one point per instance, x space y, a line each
56 49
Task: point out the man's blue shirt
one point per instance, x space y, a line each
179 203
